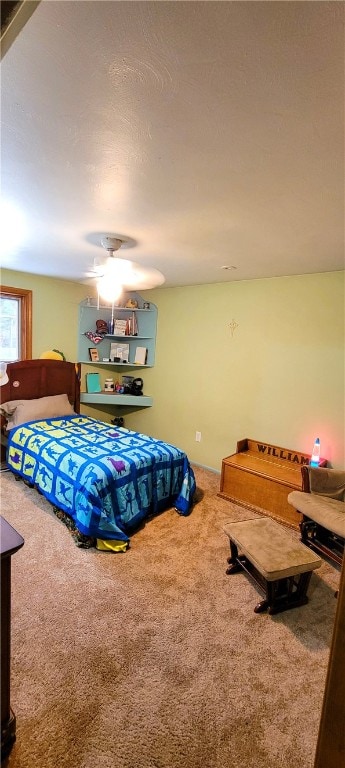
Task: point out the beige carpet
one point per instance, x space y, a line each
154 658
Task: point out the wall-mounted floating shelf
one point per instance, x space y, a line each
146 324
105 398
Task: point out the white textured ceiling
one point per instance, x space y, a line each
210 133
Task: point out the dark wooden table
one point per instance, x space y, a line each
10 541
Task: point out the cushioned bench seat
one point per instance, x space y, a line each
321 505
278 563
328 514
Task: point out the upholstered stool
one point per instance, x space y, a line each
280 566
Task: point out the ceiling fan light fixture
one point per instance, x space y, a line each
117 271
111 242
109 289
121 269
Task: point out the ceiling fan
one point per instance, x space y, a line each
115 274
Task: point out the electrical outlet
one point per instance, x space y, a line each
198 437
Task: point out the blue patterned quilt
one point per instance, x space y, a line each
106 479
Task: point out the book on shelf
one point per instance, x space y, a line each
140 356
93 382
120 327
133 325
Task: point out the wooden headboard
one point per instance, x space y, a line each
29 379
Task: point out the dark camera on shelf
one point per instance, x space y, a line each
132 386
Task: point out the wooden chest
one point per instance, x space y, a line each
261 476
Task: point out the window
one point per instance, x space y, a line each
15 324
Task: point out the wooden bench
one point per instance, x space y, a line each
280 566
260 476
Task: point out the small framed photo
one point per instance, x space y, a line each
146 305
94 356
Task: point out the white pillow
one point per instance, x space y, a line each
18 412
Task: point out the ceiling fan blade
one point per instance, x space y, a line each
143 278
130 274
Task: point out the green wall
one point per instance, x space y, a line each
55 305
55 308
276 376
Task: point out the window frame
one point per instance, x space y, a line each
24 297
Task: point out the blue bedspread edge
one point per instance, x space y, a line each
147 462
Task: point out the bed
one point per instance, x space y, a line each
106 480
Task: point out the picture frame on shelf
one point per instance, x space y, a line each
119 353
140 356
94 356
